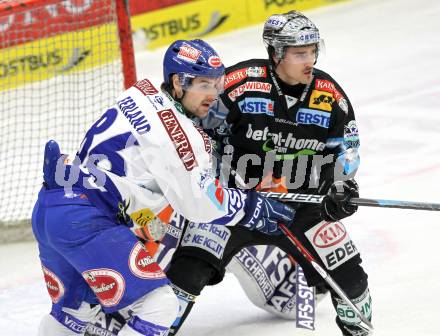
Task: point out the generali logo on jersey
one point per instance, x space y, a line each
240 74
179 138
54 285
143 265
249 86
206 140
108 285
188 53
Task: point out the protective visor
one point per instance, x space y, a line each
304 54
203 85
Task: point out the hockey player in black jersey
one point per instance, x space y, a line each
284 125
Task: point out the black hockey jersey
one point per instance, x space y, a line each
294 140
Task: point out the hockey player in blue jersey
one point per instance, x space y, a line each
141 157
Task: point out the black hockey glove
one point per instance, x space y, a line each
336 205
264 214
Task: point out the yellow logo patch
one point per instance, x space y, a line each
321 100
142 217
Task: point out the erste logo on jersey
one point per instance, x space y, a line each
54 285
249 86
108 285
325 85
142 264
321 100
188 53
146 87
313 117
256 106
179 138
240 74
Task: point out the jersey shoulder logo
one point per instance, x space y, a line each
239 75
321 100
325 85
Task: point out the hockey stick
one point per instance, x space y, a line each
317 199
365 324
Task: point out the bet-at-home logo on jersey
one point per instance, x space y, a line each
281 143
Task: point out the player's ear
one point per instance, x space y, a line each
176 86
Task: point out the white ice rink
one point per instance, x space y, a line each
385 54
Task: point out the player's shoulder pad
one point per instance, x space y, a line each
139 101
151 97
242 71
321 77
146 87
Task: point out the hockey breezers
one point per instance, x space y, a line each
317 199
365 324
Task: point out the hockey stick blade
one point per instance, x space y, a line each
365 323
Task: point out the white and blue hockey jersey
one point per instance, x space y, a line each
144 155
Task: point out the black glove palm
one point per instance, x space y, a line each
336 204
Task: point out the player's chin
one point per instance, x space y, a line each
203 110
307 77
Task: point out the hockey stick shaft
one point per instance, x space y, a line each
395 204
317 199
365 322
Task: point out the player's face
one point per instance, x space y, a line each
297 65
202 92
